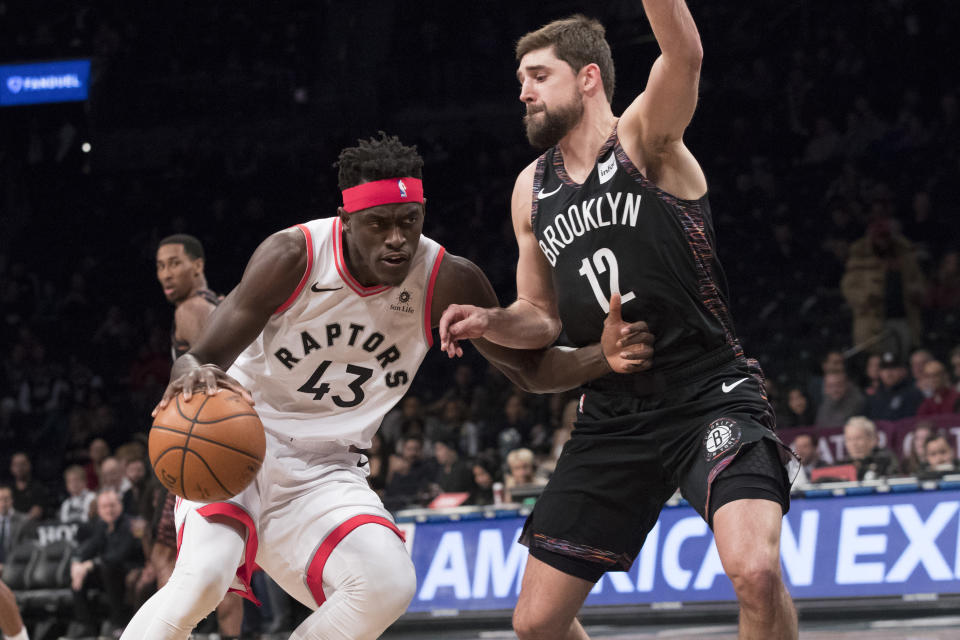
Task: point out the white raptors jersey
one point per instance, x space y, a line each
337 356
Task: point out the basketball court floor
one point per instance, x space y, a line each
928 628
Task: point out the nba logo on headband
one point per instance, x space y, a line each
378 192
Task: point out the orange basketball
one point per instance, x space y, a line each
207 449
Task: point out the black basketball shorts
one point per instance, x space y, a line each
712 437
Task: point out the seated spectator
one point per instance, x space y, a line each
409 478
568 419
944 292
521 472
806 446
955 365
943 397
29 496
940 455
112 476
798 412
871 372
841 400
918 360
916 460
409 408
486 472
863 452
897 396
135 472
76 508
103 561
453 475
11 523
832 362
97 451
378 459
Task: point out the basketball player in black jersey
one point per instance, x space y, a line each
619 206
180 262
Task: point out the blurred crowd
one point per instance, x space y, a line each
829 133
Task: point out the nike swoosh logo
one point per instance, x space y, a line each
727 388
543 194
317 289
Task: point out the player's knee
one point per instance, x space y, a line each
204 585
374 569
756 580
531 624
395 590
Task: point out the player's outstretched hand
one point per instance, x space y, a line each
208 378
627 346
461 322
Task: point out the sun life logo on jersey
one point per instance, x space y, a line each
402 299
403 188
723 434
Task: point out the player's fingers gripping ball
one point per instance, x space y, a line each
207 449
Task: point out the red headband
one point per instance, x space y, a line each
392 190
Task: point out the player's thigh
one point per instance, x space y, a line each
297 537
747 534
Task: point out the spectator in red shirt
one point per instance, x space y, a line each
944 398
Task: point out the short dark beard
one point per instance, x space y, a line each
555 125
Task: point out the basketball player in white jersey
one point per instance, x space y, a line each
324 334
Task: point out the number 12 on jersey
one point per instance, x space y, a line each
603 259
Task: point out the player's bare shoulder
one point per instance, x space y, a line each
275 269
523 196
195 308
460 281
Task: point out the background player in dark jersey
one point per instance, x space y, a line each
180 263
618 206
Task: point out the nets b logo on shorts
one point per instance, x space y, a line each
722 435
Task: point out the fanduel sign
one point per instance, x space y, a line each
838 547
63 81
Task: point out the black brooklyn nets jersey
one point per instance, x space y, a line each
619 232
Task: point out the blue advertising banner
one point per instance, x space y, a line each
883 544
37 82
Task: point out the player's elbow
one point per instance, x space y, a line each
548 334
686 57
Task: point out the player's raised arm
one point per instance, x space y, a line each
270 278
532 322
658 117
624 348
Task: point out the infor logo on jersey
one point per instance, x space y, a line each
722 435
607 168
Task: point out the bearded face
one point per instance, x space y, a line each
546 126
